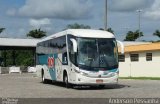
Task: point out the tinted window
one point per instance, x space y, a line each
148 56
121 58
57 45
134 57
64 59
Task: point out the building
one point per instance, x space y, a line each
140 60
17 44
11 45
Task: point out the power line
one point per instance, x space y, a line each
106 14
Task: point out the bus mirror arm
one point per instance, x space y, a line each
122 46
74 44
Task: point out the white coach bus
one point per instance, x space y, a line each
79 57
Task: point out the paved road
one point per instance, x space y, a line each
30 86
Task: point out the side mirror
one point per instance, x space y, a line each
74 44
122 46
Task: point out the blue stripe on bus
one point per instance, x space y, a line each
113 70
43 60
52 71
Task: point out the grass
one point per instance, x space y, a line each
141 78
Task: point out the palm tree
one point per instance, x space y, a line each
157 33
78 26
109 30
37 33
133 35
2 29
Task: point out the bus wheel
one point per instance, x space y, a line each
66 81
43 78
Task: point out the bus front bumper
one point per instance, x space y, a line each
84 80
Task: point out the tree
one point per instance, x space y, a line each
37 33
22 58
109 30
2 29
132 36
157 33
78 26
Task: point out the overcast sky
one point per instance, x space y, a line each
20 16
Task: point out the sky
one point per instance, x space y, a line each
21 16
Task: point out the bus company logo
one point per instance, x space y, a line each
50 62
99 76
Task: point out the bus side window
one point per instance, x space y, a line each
64 59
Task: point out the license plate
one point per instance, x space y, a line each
99 81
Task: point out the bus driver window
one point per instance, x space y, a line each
64 59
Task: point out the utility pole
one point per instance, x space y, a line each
139 20
106 14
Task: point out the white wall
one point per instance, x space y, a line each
141 68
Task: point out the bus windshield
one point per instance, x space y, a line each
97 53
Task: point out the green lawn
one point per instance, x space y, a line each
141 78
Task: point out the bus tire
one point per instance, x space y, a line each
67 84
43 78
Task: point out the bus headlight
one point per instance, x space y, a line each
77 71
85 74
112 74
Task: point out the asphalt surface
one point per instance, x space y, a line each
30 86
